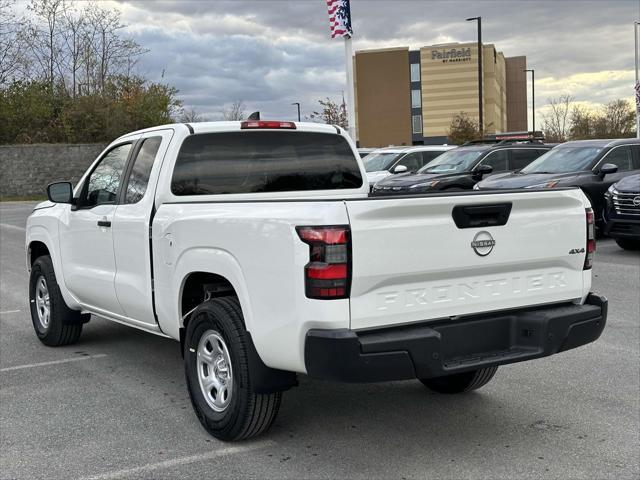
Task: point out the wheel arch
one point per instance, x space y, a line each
40 242
200 286
35 249
216 269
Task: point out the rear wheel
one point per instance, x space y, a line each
628 243
218 377
461 382
55 324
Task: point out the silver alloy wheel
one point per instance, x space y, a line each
215 374
43 304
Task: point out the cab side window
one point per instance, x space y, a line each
636 153
497 160
427 156
520 158
103 183
620 156
413 161
141 171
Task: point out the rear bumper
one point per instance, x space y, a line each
448 347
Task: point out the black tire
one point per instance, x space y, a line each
64 325
247 414
461 382
628 243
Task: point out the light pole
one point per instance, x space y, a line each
298 105
637 85
480 113
533 98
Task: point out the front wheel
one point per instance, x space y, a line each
628 243
54 322
461 382
218 377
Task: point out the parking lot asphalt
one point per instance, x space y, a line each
115 405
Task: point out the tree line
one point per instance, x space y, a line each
564 120
68 74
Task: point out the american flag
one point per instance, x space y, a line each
340 18
638 97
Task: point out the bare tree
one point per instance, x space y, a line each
106 51
9 53
41 37
76 47
616 119
463 128
556 121
582 123
73 35
190 116
620 118
235 112
333 113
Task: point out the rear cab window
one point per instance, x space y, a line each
264 161
141 170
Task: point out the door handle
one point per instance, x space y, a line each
474 216
104 223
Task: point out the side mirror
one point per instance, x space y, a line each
60 192
482 170
400 169
607 168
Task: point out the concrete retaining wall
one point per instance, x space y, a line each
26 170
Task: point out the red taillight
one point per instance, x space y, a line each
328 273
591 240
328 235
272 124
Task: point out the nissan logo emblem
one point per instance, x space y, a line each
636 201
483 243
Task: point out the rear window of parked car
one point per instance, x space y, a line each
266 161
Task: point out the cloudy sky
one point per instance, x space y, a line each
270 53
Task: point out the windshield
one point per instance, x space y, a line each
453 161
563 160
378 161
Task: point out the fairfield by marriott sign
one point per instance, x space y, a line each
452 55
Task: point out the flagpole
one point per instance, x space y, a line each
635 36
351 111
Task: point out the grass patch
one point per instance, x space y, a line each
23 198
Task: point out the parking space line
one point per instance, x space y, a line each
9 311
53 362
150 467
8 226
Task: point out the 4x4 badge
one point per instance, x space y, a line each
573 251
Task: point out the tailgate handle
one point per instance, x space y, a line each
474 216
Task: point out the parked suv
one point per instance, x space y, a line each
622 213
592 165
461 168
387 161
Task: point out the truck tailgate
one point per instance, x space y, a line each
412 262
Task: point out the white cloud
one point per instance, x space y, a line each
271 53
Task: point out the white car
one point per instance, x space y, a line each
255 245
383 162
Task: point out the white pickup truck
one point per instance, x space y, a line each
255 244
